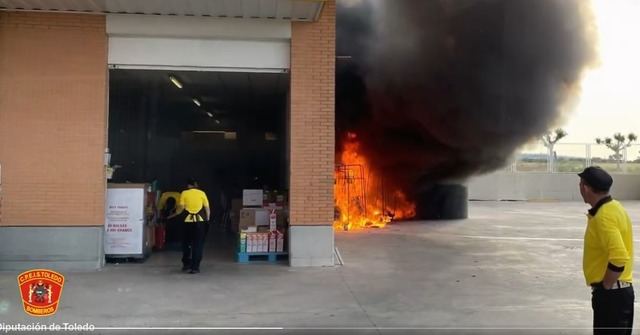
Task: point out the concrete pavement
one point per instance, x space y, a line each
511 265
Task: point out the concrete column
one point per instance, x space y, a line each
312 131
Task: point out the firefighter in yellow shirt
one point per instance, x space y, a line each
196 204
608 255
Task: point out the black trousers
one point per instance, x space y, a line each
192 244
612 311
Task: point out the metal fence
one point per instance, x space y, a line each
574 157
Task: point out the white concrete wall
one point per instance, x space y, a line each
311 246
223 55
60 248
544 186
197 27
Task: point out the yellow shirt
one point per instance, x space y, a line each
608 239
193 200
165 197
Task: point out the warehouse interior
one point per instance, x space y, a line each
228 130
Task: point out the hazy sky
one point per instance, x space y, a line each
610 97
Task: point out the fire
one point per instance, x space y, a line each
362 199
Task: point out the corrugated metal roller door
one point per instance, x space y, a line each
145 42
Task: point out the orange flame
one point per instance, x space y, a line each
362 199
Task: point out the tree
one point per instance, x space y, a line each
549 140
618 144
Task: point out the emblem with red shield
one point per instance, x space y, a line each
40 290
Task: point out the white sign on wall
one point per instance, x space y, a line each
124 221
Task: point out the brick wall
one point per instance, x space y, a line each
53 76
312 123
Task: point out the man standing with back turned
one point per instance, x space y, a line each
608 255
195 202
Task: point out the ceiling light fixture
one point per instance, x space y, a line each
175 81
217 121
197 102
209 113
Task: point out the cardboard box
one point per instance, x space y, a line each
265 242
254 242
261 242
262 217
253 217
257 242
274 198
282 216
280 242
251 243
252 198
250 230
273 238
247 219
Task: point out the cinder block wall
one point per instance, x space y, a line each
53 98
313 119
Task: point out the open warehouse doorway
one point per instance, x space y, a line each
228 130
288 36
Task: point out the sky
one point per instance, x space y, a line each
609 101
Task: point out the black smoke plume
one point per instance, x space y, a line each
444 89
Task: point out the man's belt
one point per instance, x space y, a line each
617 285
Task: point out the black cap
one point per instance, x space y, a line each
597 178
192 182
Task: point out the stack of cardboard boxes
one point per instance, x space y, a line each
261 223
261 242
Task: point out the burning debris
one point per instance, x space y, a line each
362 198
444 89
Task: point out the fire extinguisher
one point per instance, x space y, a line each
161 234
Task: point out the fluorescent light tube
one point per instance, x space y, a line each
175 81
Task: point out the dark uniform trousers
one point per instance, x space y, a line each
612 310
192 244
